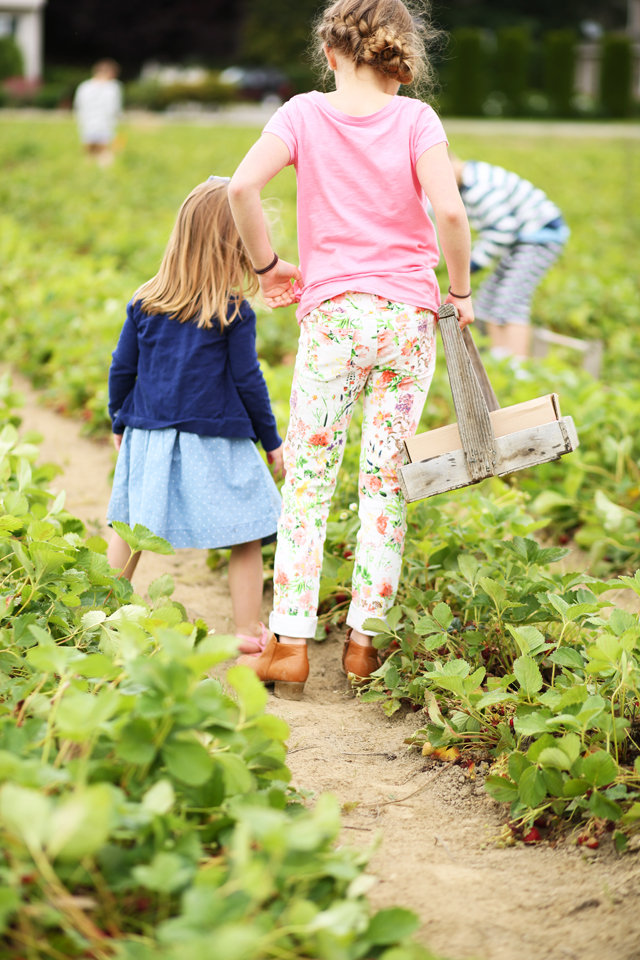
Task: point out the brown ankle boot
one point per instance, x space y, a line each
286 665
358 660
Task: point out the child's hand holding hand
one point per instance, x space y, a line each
117 441
276 459
276 286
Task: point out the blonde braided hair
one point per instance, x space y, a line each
382 34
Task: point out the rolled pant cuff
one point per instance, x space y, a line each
288 626
356 617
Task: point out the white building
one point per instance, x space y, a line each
23 19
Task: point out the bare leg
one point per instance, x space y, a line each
245 586
302 641
511 339
104 155
119 556
363 639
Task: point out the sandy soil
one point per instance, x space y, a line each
436 828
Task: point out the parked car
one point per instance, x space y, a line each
258 83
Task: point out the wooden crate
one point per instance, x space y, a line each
487 441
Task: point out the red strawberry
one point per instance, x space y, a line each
533 836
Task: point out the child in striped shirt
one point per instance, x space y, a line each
517 223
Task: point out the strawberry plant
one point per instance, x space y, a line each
145 806
511 661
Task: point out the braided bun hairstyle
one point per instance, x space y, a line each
380 33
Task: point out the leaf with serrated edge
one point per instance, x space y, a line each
528 674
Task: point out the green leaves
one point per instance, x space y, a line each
166 873
602 806
137 742
554 757
162 587
501 789
529 639
389 926
80 825
567 657
438 622
599 769
495 591
187 761
532 787
237 778
528 674
251 692
529 552
632 582
71 828
468 566
160 798
141 538
25 813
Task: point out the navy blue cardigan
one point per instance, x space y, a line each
170 374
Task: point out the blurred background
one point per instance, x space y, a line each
531 58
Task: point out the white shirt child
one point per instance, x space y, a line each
98 104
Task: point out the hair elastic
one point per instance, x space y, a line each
270 267
220 179
459 296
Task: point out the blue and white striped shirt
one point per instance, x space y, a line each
504 209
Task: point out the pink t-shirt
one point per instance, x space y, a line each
362 214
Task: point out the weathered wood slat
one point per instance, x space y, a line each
478 368
516 451
474 424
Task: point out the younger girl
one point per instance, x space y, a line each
187 400
366 160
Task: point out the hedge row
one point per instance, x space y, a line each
516 77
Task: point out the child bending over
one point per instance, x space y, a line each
525 231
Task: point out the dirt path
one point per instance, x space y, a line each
436 853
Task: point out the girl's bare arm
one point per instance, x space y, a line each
437 179
265 159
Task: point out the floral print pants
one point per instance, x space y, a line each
354 343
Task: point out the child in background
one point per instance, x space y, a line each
365 161
98 104
187 400
517 223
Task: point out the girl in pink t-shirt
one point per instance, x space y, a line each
366 160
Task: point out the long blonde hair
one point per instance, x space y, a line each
388 35
205 265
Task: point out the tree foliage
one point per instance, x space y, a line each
616 70
11 64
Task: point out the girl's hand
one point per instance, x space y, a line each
276 459
465 310
276 286
117 441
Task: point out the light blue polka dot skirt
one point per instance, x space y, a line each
194 491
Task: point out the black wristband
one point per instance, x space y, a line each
270 267
456 295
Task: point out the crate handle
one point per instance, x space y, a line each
473 396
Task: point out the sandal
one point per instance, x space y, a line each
254 646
